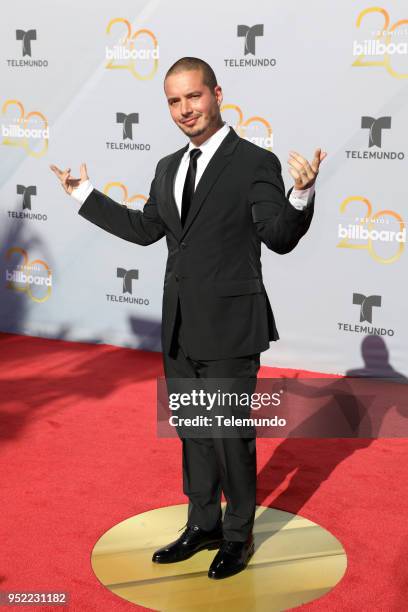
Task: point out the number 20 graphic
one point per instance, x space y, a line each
385 35
129 41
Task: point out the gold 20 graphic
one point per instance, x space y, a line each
24 130
126 199
381 233
256 128
25 276
125 55
389 42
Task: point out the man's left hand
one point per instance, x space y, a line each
305 174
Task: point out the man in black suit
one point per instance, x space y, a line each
215 200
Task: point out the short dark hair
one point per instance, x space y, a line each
194 63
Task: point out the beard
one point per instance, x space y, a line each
193 131
209 121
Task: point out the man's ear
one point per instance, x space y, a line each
218 94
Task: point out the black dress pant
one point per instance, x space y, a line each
217 464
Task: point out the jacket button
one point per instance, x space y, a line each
183 245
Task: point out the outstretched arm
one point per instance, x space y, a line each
141 227
280 222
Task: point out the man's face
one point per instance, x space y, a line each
193 107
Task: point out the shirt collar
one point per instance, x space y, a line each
213 142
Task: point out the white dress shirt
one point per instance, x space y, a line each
299 198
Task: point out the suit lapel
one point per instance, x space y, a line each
171 212
215 166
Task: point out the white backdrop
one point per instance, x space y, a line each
294 75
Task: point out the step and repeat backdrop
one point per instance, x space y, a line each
83 82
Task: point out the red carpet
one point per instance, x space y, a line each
79 453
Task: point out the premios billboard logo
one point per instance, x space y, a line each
256 129
31 277
126 200
387 47
136 51
28 130
382 234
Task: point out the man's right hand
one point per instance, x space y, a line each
67 181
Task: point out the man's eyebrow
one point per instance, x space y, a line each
190 93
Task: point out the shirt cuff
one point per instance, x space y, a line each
81 192
300 198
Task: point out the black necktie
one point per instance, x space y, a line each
189 184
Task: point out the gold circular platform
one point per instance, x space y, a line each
295 562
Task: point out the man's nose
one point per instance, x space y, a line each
185 107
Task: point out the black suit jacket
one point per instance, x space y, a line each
213 264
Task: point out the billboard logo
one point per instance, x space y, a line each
137 51
385 45
382 234
31 277
25 130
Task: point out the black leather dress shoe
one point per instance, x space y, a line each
231 558
191 541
